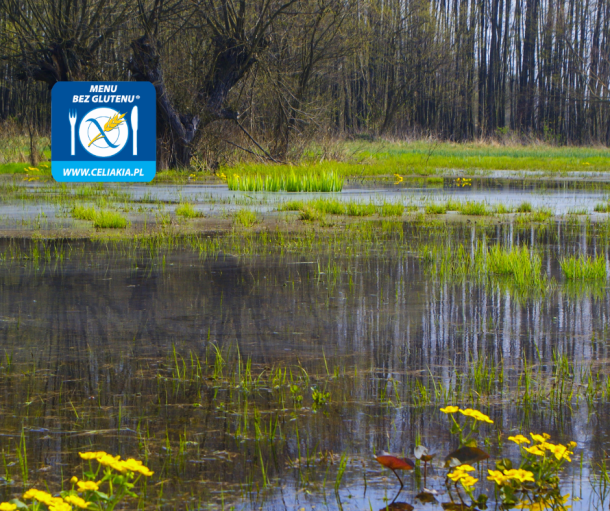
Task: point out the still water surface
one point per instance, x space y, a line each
102 344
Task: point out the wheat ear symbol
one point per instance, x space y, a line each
111 124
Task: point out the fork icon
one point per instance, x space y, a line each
72 117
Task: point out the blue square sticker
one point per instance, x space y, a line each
103 132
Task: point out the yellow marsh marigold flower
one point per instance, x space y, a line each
460 472
92 455
88 486
559 451
77 501
60 506
468 481
476 415
74 480
497 477
132 465
520 475
536 449
7 506
519 439
450 409
42 496
540 438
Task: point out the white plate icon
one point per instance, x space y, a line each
103 132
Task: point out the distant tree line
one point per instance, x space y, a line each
277 72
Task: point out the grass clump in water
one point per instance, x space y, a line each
83 213
245 218
524 207
187 210
584 268
337 207
109 220
602 207
391 209
325 181
436 209
474 208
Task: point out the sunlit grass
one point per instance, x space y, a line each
109 220
584 268
187 210
309 209
83 213
245 218
325 181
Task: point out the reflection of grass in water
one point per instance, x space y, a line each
584 268
518 268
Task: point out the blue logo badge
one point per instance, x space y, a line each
103 131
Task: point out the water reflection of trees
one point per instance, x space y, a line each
100 329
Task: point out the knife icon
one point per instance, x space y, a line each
134 127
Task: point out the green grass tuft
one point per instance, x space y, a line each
325 181
109 220
583 268
245 218
187 210
83 213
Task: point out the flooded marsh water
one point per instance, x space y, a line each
264 370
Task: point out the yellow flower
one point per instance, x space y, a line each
41 496
476 415
571 445
450 409
74 480
468 481
30 494
559 451
460 472
132 465
520 475
7 506
60 506
497 477
540 438
519 439
92 455
77 501
536 449
88 486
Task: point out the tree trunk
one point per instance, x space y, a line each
175 131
